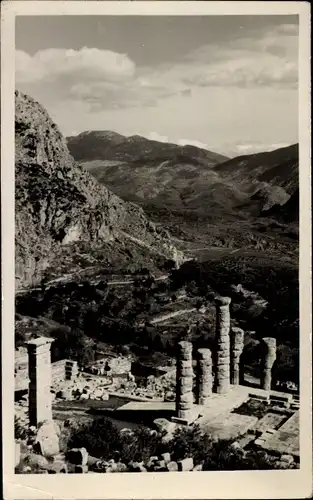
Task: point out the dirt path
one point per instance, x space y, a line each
175 314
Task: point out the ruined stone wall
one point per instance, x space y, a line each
118 365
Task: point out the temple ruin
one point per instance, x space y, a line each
225 362
216 371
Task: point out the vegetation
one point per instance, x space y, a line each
103 440
89 312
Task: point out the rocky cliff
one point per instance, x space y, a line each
58 203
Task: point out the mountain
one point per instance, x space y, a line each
108 145
275 168
58 203
146 171
187 179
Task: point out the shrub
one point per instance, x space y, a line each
102 439
190 442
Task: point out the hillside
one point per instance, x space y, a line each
276 168
150 172
186 179
287 213
59 204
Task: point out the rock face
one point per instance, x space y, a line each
57 202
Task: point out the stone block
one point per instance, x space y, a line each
77 456
166 457
161 463
259 442
58 467
38 461
185 372
47 439
198 468
185 465
172 466
222 360
157 468
81 469
287 458
183 363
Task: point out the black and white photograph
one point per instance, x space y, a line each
156 228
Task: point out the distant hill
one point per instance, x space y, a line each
149 172
276 168
187 178
108 145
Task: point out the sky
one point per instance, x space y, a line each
226 83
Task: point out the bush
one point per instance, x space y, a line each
102 439
190 442
224 457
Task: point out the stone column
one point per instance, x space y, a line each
268 345
184 379
204 376
71 369
222 359
236 348
39 369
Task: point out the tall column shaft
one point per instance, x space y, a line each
184 379
236 348
222 354
268 359
204 376
39 368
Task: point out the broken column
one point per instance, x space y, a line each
236 348
268 345
71 369
204 376
184 379
222 358
39 369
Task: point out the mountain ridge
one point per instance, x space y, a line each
188 178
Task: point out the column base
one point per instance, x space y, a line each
188 419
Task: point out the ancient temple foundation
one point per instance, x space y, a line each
222 354
204 376
236 348
268 345
39 368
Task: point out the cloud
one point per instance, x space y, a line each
87 63
269 60
100 78
246 149
199 95
192 142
